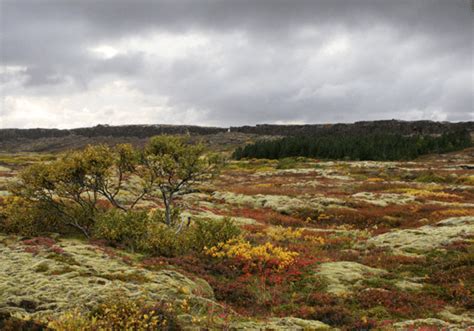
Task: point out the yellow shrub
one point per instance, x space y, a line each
315 239
469 180
427 193
279 233
453 212
27 218
118 314
239 248
375 180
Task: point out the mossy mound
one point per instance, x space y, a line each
343 276
384 199
280 203
39 282
280 324
425 238
81 275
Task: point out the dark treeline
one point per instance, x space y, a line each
375 146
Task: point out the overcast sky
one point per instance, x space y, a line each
71 63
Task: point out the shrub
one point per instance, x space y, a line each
173 166
26 218
206 233
254 257
76 186
69 187
430 177
336 315
451 274
10 323
279 233
148 232
162 240
141 231
119 314
402 304
125 228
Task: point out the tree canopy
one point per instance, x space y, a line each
378 146
75 186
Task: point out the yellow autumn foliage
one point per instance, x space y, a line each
280 233
117 314
427 193
239 248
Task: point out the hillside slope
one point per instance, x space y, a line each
44 140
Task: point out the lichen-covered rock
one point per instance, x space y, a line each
280 203
300 171
462 320
408 285
435 323
384 199
427 237
51 283
287 323
342 276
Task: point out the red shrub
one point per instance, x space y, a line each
35 245
40 241
379 258
334 315
404 304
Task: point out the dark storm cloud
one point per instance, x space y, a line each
260 61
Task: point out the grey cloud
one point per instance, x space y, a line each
406 58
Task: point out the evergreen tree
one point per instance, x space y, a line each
381 147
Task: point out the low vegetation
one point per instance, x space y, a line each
170 237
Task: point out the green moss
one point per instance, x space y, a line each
62 270
63 258
377 282
42 267
134 277
58 286
343 276
426 238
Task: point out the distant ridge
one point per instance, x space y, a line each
137 131
385 126
144 131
